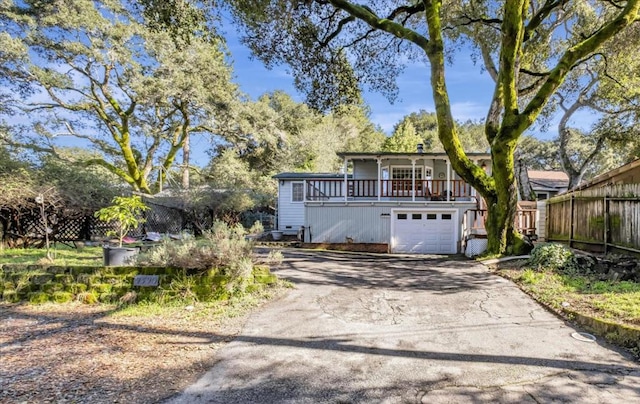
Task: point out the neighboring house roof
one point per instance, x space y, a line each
548 180
306 176
626 174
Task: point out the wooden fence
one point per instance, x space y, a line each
600 219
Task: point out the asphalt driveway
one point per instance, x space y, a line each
392 329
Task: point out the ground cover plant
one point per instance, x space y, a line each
217 266
62 254
568 284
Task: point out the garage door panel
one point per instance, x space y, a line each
424 232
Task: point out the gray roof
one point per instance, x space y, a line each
307 176
441 155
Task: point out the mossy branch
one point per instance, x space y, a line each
367 15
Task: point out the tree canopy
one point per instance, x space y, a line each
93 70
528 48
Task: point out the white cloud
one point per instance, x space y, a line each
463 111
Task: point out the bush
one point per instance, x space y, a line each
226 249
222 246
553 257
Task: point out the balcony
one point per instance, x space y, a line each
385 190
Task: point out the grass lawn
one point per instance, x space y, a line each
611 301
61 254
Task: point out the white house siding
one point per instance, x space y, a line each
290 214
334 223
367 170
363 222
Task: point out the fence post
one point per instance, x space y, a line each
606 223
571 206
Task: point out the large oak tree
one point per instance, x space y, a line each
95 71
528 47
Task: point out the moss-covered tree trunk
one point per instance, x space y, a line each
502 204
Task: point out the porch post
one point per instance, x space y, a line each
472 190
304 190
379 175
413 180
345 186
448 179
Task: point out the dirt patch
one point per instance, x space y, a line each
82 353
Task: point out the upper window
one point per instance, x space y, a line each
405 173
297 192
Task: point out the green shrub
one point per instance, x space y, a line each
52 287
38 297
553 257
75 288
87 297
241 273
62 297
102 287
10 295
181 288
223 246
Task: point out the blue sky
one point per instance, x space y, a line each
470 89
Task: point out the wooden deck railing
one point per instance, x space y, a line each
525 221
433 189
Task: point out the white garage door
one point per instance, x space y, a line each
424 232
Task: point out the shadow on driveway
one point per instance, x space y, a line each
442 274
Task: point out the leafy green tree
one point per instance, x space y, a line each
608 88
361 135
528 47
471 133
426 127
125 213
102 76
537 154
82 189
403 140
276 134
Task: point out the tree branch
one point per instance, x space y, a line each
568 60
368 16
541 15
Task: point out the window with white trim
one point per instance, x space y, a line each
297 192
405 173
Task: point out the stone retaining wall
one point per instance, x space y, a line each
40 284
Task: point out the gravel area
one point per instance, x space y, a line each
82 353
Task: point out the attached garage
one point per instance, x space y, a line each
424 231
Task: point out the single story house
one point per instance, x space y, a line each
413 202
547 184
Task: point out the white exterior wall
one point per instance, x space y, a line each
290 214
365 170
364 222
369 169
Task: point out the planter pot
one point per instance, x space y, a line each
118 256
276 235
